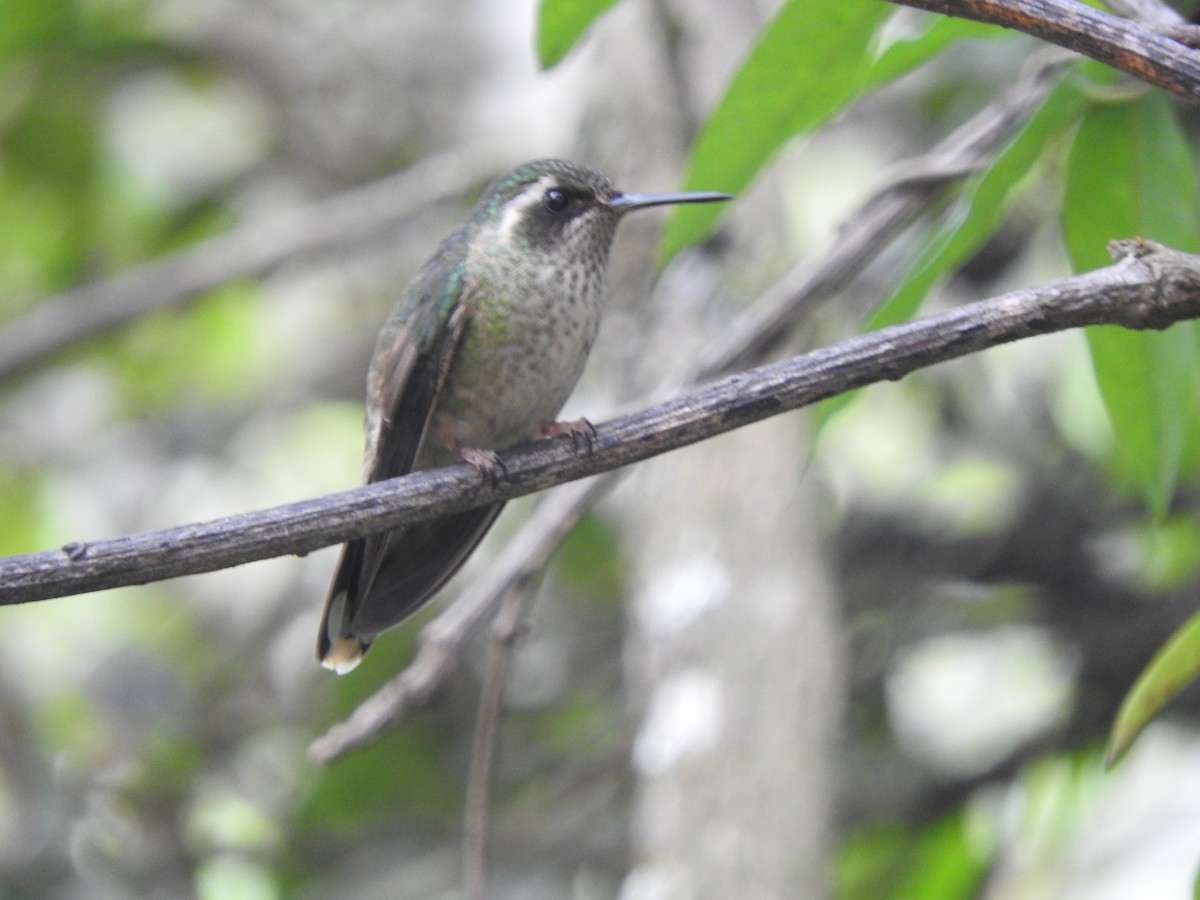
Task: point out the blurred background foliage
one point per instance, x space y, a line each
1009 538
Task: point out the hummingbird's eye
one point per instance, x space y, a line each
555 201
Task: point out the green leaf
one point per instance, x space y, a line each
21 514
1175 665
406 774
26 24
905 54
810 61
938 862
984 205
560 25
1168 552
210 351
1130 173
1146 380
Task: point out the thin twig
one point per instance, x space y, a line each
1154 13
506 629
1161 17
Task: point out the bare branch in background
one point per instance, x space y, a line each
506 629
251 249
906 191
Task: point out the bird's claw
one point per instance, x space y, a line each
581 430
485 462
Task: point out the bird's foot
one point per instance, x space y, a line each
581 431
485 462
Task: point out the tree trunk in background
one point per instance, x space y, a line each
733 661
733 653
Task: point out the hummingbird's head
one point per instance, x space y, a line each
562 208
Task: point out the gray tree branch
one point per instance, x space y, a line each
1148 287
1138 48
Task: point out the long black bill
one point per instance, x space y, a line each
627 202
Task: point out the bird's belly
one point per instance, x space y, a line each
509 378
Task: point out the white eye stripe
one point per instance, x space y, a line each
530 204
520 205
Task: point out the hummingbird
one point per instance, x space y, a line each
479 354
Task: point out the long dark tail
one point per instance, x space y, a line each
383 579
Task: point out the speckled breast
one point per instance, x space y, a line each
520 357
